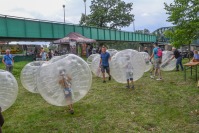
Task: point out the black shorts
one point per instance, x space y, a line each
103 68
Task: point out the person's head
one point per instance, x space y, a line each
173 48
145 48
62 72
127 57
103 49
7 51
155 44
195 52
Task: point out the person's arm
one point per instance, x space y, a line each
172 57
109 59
12 59
69 77
151 56
100 62
3 61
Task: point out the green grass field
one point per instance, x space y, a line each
171 105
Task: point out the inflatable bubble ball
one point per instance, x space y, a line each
127 61
90 59
95 66
8 89
111 51
147 61
29 76
65 80
166 64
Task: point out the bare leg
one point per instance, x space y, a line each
132 84
103 75
127 82
155 72
159 73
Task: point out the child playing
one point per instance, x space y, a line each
65 82
129 73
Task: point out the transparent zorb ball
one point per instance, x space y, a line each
50 77
111 51
166 64
120 62
90 59
147 61
29 76
8 89
95 66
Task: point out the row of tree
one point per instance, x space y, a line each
116 14
184 15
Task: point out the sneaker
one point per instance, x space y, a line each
152 77
177 70
133 87
159 79
127 86
104 81
109 78
71 111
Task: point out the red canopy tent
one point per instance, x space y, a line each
74 37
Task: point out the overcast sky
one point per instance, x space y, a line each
149 14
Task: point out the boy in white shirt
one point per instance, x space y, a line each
129 72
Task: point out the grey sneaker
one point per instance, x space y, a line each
159 79
152 76
127 86
133 87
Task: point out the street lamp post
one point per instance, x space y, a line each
134 23
85 10
64 12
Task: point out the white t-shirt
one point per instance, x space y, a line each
129 66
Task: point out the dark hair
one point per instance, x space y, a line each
156 43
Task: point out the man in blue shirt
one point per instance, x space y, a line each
157 62
8 61
104 63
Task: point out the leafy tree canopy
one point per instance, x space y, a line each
184 14
113 14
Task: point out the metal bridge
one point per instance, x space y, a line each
24 29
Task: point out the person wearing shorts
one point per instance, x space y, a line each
65 82
104 63
129 73
8 61
157 62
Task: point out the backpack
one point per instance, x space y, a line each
159 53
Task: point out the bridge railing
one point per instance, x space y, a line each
26 28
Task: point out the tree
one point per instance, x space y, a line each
184 14
113 14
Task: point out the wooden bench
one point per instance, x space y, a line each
191 65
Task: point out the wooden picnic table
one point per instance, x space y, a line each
191 65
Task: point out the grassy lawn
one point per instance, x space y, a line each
171 105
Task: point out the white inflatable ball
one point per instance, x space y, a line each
166 64
95 66
147 61
68 72
29 76
8 89
90 58
111 51
127 61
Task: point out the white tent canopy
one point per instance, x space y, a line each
29 43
